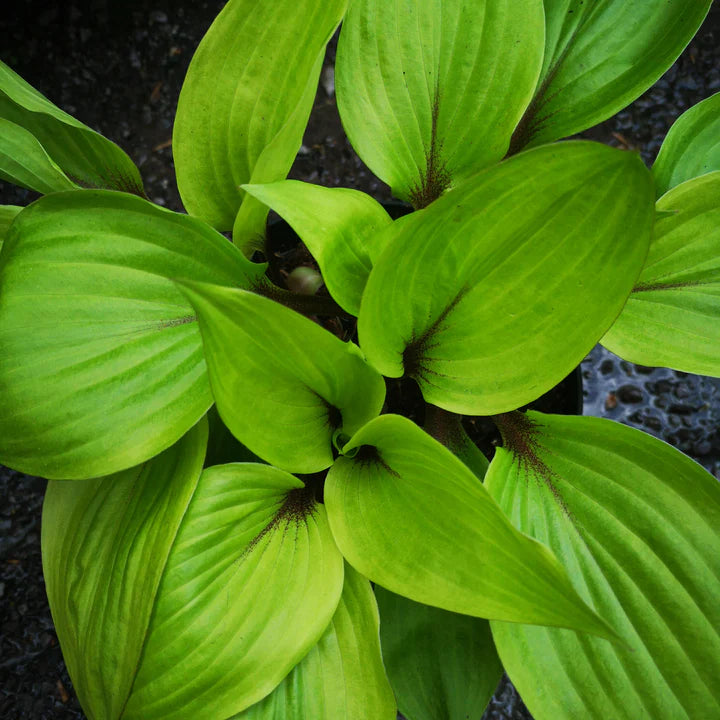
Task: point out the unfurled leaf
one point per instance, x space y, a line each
397 509
691 148
341 228
105 545
102 365
82 155
246 99
342 677
635 524
501 287
7 214
429 92
672 317
282 384
599 57
442 666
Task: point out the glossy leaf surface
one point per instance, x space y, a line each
635 524
691 148
672 318
342 677
102 365
86 157
399 505
599 57
429 92
282 384
245 100
341 228
442 666
512 278
104 546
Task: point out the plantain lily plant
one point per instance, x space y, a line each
240 522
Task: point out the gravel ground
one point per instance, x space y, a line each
118 67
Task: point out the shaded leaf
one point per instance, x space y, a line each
7 214
635 524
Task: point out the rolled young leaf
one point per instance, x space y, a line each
342 677
340 227
410 516
429 92
84 156
691 148
673 314
282 384
502 286
635 524
442 666
102 364
599 57
245 94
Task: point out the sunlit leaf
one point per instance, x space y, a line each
282 384
672 318
635 524
429 92
442 666
102 365
501 287
399 506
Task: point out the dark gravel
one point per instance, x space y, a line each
118 67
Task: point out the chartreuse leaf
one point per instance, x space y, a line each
397 509
340 227
513 276
105 545
7 214
442 666
85 157
102 364
672 317
23 161
599 57
282 384
342 677
635 524
248 91
429 92
691 148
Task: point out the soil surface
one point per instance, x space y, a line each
118 67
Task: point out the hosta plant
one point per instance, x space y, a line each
246 518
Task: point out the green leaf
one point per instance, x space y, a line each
7 214
635 524
246 99
502 286
406 513
442 666
691 148
104 549
340 227
102 365
429 92
599 57
23 161
282 384
342 677
84 156
672 316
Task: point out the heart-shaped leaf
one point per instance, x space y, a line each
397 509
442 666
672 317
691 148
429 92
635 523
102 365
282 384
501 287
81 154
